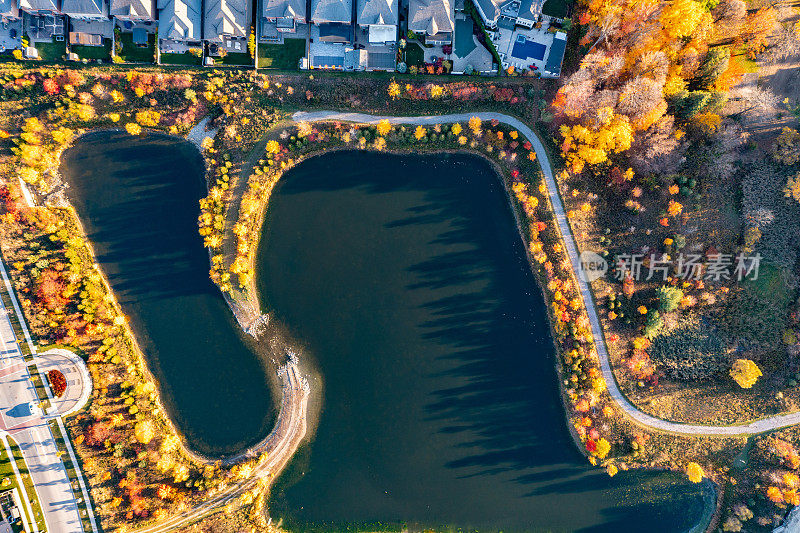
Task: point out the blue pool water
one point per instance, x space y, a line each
525 49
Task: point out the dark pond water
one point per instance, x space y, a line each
406 281
138 201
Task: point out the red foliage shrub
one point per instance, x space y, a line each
57 382
96 434
50 86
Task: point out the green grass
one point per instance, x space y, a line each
414 55
137 54
237 58
93 52
180 59
556 8
54 51
284 56
7 471
739 56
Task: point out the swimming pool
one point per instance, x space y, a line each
524 49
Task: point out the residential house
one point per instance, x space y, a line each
132 10
379 19
509 12
179 22
377 32
227 24
555 56
331 36
10 26
39 7
331 11
44 22
85 9
432 19
281 16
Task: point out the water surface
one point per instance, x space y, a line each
407 281
137 198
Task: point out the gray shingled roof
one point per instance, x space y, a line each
8 8
294 9
82 7
132 8
332 11
226 17
179 19
37 5
376 12
430 16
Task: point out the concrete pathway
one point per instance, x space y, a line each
33 435
749 428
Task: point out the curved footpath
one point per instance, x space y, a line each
749 428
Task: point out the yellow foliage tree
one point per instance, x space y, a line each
394 89
456 129
745 372
148 118
681 18
419 133
273 147
695 472
603 447
384 127
144 431
475 125
133 128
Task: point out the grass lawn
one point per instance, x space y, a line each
54 51
237 58
746 65
137 54
93 52
284 56
414 55
180 59
556 8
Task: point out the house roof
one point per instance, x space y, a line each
132 8
8 8
530 9
37 5
82 7
430 16
556 55
376 12
226 17
294 9
332 11
179 19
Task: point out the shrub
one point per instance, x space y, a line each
669 298
745 372
653 324
689 351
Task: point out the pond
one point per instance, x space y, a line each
137 198
406 281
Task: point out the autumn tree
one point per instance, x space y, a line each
384 127
786 149
745 372
757 28
695 472
713 65
792 189
50 290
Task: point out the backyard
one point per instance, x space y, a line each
134 53
281 56
237 58
52 51
180 59
93 52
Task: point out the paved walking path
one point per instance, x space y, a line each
29 429
750 428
